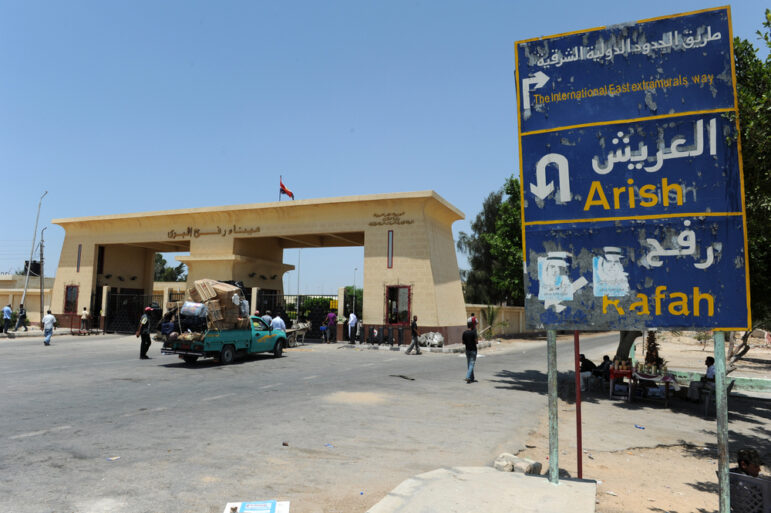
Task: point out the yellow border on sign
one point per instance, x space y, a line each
630 120
521 170
735 109
634 218
679 15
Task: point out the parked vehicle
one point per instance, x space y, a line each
227 345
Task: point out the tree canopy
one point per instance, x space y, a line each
753 87
164 273
494 249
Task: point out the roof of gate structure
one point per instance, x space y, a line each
321 209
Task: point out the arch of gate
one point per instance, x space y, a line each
410 266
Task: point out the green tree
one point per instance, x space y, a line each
753 89
164 273
506 246
494 250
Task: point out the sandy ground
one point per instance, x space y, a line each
670 465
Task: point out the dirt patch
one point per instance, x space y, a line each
357 398
638 480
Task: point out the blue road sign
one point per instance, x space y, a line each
632 191
659 67
674 272
643 168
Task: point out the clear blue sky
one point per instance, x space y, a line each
118 107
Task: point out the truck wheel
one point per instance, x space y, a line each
227 355
190 359
279 349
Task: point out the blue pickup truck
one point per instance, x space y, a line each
227 345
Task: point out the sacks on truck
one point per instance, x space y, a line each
194 309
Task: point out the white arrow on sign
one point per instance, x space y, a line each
542 189
538 80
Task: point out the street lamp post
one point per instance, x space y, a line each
32 251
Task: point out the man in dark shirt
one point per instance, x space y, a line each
414 331
587 366
470 341
144 330
749 462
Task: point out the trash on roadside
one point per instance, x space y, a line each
591 457
614 494
258 506
285 444
639 427
113 458
329 445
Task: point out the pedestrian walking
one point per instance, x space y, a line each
84 319
22 319
267 317
144 331
49 324
7 312
352 321
414 332
473 320
470 341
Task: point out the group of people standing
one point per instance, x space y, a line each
21 319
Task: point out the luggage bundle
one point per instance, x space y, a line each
213 305
226 306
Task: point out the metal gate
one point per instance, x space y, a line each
124 311
302 308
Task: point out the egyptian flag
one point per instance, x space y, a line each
283 189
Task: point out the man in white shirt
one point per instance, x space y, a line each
277 323
352 321
49 321
708 381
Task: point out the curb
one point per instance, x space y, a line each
454 348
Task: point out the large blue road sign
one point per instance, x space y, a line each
632 196
658 67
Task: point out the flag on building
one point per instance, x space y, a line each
284 189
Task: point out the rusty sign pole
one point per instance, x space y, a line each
721 412
579 444
554 467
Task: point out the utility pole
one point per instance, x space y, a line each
42 277
32 251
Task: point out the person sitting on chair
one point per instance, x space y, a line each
587 366
603 370
749 462
708 380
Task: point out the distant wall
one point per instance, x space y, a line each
513 316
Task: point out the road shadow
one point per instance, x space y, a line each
211 363
537 382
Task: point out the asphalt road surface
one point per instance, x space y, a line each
87 427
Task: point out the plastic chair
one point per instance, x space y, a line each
749 494
709 395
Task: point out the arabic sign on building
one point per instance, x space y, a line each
632 192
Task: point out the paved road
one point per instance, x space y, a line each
88 427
